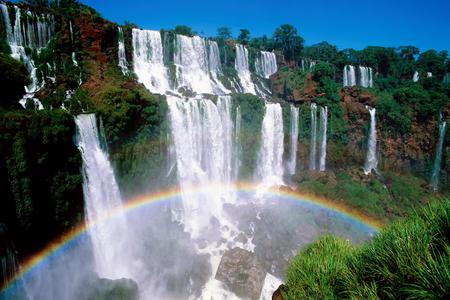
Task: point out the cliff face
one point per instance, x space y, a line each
132 116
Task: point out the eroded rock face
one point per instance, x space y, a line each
242 273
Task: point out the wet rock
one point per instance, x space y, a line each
278 294
242 273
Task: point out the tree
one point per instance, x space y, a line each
244 36
14 77
287 39
43 3
408 52
321 51
434 62
184 30
224 33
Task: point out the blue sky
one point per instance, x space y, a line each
349 23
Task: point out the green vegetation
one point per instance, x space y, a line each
183 30
252 114
14 77
384 200
40 171
407 260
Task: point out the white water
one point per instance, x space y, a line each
313 138
307 64
270 157
34 32
429 74
242 68
371 157
123 64
438 156
416 76
349 76
215 66
237 148
148 62
102 196
193 65
293 142
265 64
323 137
365 76
204 148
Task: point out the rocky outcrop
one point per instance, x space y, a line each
107 289
242 273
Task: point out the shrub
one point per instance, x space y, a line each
407 260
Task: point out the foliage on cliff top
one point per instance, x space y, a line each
407 260
384 200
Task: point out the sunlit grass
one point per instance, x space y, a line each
408 260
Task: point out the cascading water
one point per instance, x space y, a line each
237 148
365 76
204 148
8 262
293 142
215 66
270 157
349 76
313 138
29 31
122 57
416 76
438 155
242 67
193 65
323 137
265 64
102 196
148 61
307 64
371 157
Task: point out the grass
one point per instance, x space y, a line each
410 259
395 197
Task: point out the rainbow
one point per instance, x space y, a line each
64 240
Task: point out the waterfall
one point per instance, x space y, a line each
204 149
349 76
122 57
429 74
197 63
313 138
438 155
371 158
365 76
8 261
148 62
270 156
416 76
215 66
242 67
237 147
265 64
71 31
307 64
102 196
34 31
293 142
323 136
